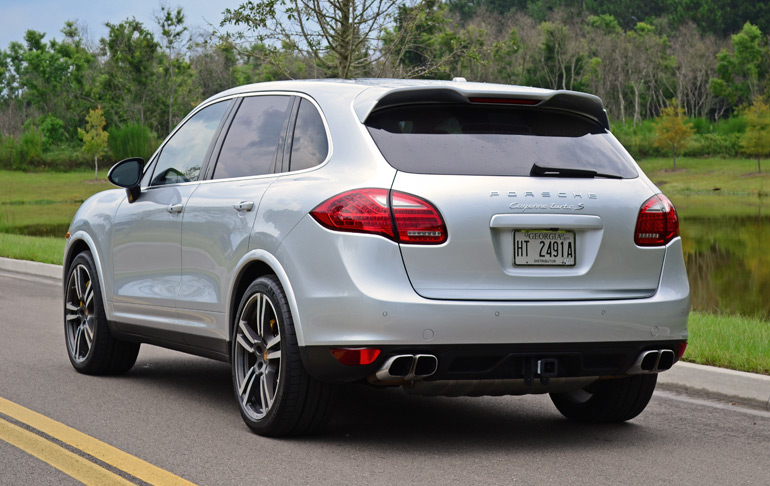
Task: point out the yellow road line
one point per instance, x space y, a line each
111 455
69 463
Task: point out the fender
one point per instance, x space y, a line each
270 260
83 236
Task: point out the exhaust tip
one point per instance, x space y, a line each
649 360
666 361
425 365
401 366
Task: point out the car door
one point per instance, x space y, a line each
220 214
146 245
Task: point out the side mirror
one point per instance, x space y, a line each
127 173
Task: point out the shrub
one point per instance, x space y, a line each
734 124
9 152
53 132
30 148
132 140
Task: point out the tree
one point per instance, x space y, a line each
172 31
339 36
741 71
672 130
94 137
756 141
128 82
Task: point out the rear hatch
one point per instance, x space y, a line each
540 204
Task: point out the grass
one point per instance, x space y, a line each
693 176
735 342
34 248
36 209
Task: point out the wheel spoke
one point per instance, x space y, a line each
71 317
273 355
261 315
274 341
78 339
89 294
245 345
89 331
246 380
78 291
248 332
265 392
72 307
249 385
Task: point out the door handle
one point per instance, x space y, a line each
175 208
244 206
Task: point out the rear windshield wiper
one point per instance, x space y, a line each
540 171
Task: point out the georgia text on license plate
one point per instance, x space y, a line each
541 247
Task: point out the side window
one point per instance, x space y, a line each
252 140
310 146
182 156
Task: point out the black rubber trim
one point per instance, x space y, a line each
199 346
491 361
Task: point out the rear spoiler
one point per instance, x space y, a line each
571 101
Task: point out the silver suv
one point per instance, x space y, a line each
450 238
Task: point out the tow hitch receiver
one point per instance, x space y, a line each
543 368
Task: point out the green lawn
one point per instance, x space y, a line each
734 342
717 177
34 248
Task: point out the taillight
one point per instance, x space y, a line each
417 221
657 223
401 217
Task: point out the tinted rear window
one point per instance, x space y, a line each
488 140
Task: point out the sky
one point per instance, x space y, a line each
18 16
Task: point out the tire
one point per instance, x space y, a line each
275 394
607 401
91 347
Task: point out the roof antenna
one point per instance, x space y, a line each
458 79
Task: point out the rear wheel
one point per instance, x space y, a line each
605 401
276 395
91 347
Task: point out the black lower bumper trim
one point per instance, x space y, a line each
492 361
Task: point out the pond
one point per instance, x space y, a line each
726 245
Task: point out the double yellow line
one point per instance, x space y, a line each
70 463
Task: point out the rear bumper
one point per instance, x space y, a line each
358 295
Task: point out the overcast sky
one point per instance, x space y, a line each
17 16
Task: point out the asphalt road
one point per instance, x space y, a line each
177 412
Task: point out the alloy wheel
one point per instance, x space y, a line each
257 360
80 313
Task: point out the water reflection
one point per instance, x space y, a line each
726 253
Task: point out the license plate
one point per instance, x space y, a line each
544 248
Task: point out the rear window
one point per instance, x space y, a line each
488 140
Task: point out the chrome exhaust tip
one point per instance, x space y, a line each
653 361
666 360
396 368
424 365
407 367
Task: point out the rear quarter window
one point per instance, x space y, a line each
466 139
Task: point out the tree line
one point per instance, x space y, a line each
638 56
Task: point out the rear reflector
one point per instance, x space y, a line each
657 223
401 217
355 356
681 349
